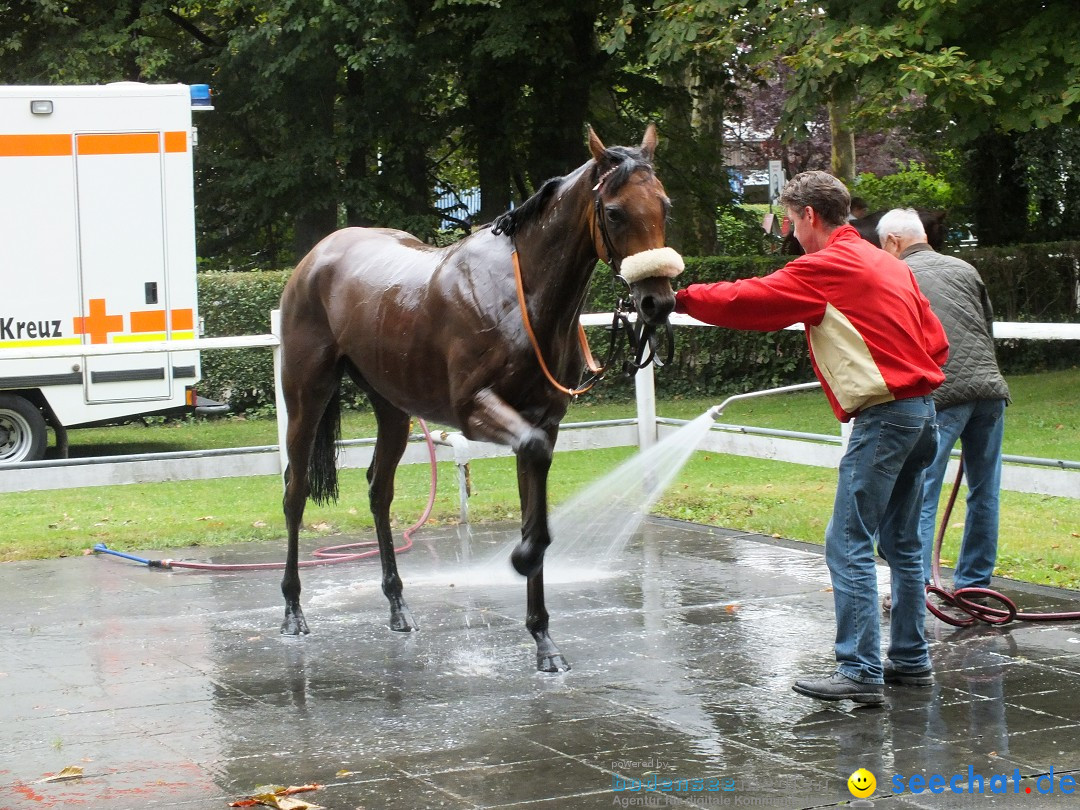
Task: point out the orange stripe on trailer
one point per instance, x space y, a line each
35 145
183 319
176 141
119 143
152 320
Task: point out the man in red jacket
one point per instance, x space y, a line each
878 351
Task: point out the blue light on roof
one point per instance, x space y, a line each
200 95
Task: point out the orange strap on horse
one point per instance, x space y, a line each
584 341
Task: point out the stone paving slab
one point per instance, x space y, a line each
174 688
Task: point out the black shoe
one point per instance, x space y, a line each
840 687
918 677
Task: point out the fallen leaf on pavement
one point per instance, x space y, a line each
70 772
278 797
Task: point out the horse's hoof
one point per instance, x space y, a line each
294 625
552 663
401 621
526 561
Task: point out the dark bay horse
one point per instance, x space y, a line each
439 333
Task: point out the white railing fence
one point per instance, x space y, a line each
1043 476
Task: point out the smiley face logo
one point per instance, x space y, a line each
861 783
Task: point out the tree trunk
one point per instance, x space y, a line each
843 138
562 86
310 99
999 189
355 179
489 113
690 157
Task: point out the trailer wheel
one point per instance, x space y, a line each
22 430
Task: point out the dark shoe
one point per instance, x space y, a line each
886 603
918 677
840 687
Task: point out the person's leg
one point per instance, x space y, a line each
981 445
950 422
849 553
881 442
902 548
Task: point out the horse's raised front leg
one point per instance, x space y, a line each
492 419
390 443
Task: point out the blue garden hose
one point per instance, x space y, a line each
101 548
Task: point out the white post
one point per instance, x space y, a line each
279 397
645 395
845 434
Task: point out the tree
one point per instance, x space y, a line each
876 61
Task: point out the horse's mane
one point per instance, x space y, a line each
509 222
626 160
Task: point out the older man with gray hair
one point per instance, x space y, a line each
970 403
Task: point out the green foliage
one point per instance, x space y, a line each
234 304
1033 283
739 232
910 187
1026 283
1052 161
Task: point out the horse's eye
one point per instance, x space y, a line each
615 215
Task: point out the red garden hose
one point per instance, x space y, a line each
327 555
961 598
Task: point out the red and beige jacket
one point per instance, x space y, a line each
871 333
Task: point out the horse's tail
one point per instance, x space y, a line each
322 471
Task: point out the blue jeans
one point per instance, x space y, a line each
878 496
979 426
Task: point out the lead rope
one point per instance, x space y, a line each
582 339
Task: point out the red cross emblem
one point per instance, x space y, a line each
97 324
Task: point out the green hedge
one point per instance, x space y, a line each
1035 283
233 304
1026 283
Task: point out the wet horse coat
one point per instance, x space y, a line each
438 333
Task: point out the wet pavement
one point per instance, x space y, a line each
174 689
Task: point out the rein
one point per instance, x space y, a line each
597 370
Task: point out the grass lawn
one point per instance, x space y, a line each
1039 538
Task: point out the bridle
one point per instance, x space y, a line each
640 337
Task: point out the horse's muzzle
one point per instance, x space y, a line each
654 299
649 274
654 309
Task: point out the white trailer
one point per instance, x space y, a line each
97 246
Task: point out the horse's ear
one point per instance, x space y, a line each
596 146
648 143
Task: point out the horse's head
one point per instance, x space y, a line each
629 218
